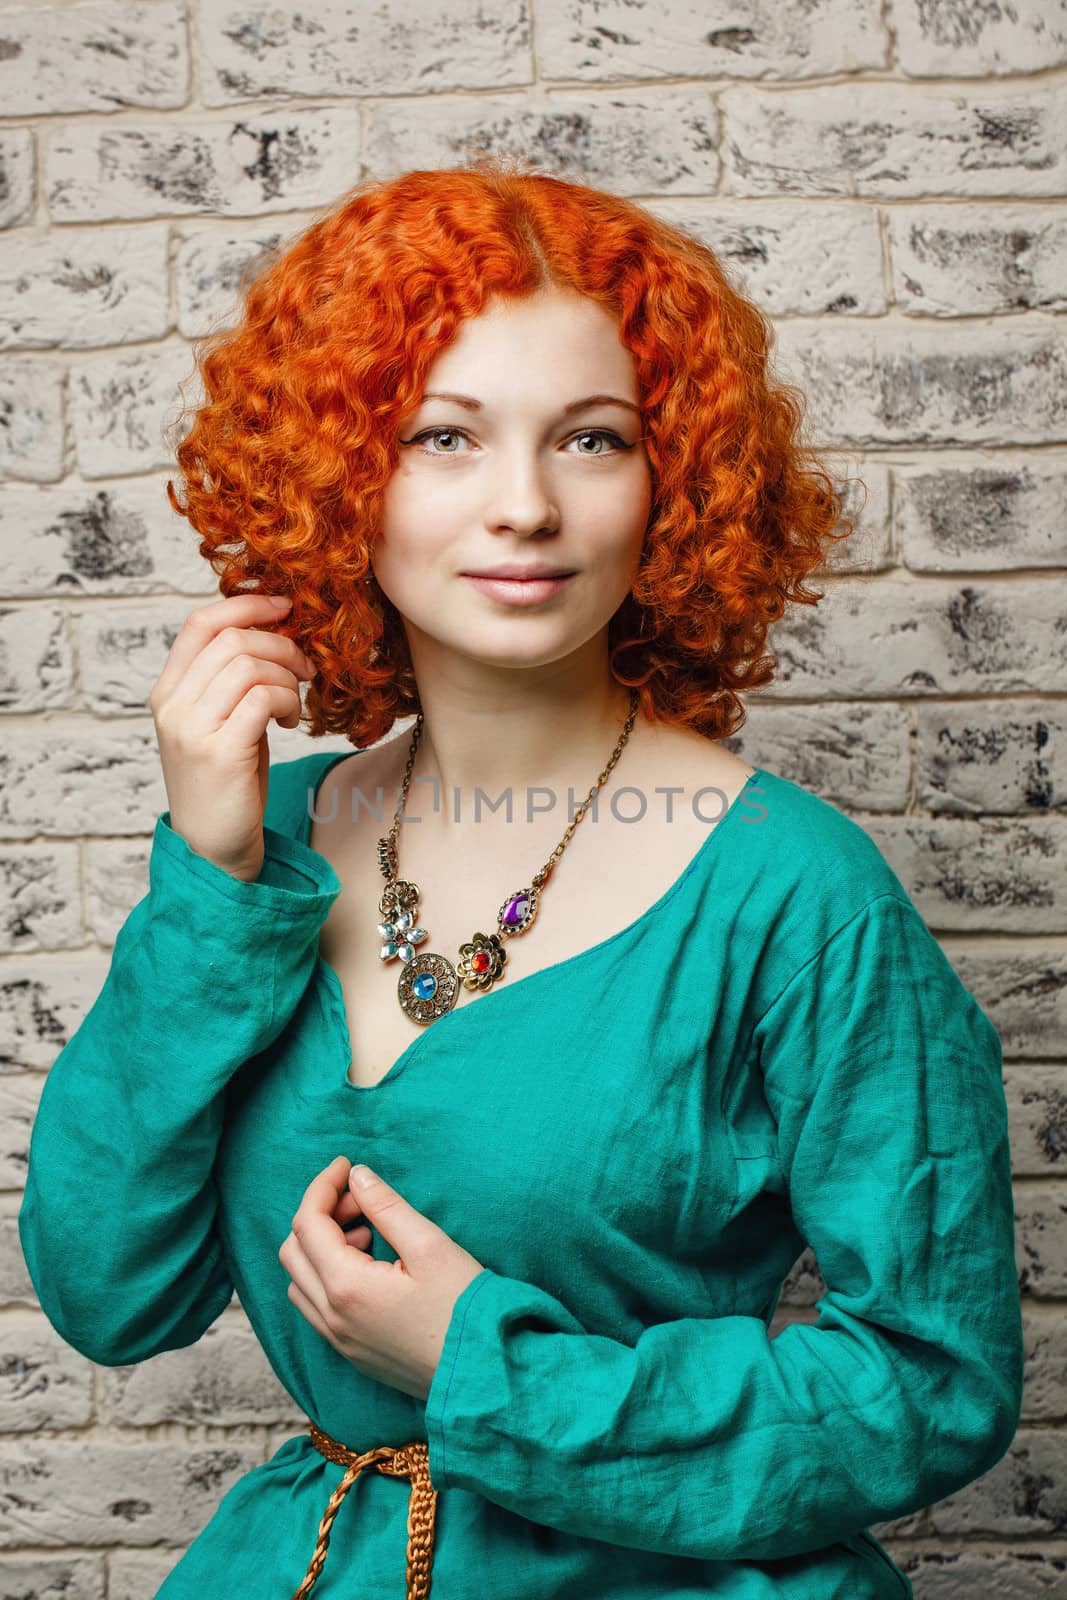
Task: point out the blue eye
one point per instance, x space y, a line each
458 433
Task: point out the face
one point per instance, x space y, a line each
525 470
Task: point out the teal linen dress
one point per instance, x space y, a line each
637 1142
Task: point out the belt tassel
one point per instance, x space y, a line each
404 1461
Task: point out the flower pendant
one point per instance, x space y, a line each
429 984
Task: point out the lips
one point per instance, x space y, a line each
523 575
518 591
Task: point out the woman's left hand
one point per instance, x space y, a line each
389 1318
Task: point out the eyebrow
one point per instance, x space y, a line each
470 404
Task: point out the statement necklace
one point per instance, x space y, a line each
429 983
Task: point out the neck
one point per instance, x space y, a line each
514 731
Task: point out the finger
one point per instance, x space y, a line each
244 656
308 1312
347 1211
359 1237
314 1228
303 1275
405 1228
246 724
230 685
202 625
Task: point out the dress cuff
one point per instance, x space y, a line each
294 880
437 1401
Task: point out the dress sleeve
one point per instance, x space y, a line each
709 1439
117 1223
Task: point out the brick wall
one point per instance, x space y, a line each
885 178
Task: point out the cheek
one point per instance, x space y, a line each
417 532
615 516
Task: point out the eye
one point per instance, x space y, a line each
602 433
605 434
437 433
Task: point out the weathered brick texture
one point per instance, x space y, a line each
75 287
93 57
350 49
885 178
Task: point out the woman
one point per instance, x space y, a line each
615 1041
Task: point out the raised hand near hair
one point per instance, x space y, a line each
224 679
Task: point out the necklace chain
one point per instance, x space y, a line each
390 868
428 982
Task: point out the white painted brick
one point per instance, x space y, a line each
208 268
853 753
984 515
31 420
40 895
261 162
98 538
72 777
224 1380
77 287
15 1285
345 47
927 637
44 1383
1006 756
963 260
117 872
872 384
46 1577
979 38
36 665
20 1097
866 505
16 176
890 139
591 40
93 57
43 1001
1024 1572
1037 1123
141 1494
1023 989
122 650
1022 1497
634 142
969 875
1044 1243
1037 1126
136 1574
793 258
121 406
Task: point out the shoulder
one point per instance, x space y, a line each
799 875
290 786
819 850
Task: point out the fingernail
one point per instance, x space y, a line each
280 600
362 1177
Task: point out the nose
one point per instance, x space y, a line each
522 498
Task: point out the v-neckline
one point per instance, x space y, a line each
514 984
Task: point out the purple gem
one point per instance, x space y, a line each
516 911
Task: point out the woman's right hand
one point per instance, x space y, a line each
224 679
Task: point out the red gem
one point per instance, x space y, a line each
480 962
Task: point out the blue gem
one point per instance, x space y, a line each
425 986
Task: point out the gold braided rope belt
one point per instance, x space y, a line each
405 1461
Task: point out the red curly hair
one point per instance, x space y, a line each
288 456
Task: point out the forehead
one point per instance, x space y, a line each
536 348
